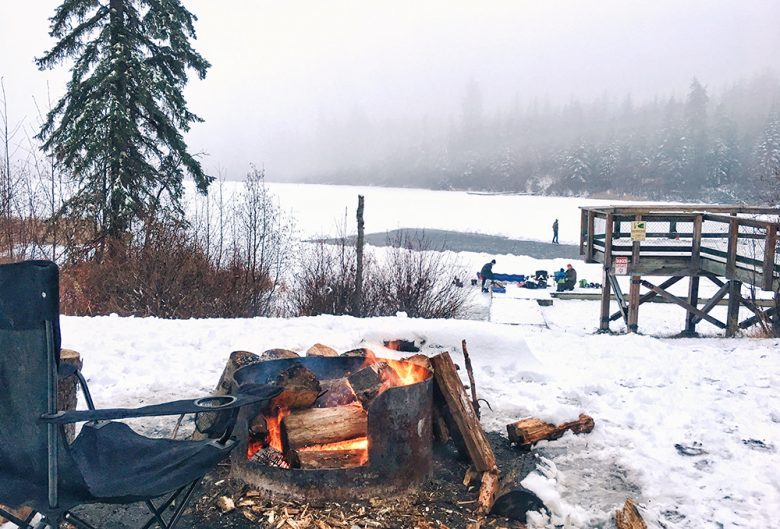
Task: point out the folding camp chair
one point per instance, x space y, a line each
107 462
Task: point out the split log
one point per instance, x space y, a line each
68 389
372 380
317 426
465 420
328 458
301 388
277 354
362 352
488 491
406 346
629 517
335 392
321 350
225 386
419 360
527 432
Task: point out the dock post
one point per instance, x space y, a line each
732 317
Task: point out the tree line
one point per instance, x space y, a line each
722 147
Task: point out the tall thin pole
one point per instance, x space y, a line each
357 302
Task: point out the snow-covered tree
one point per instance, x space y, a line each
118 128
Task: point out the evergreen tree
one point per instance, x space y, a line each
118 129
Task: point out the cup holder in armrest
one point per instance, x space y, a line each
216 402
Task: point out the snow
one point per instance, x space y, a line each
646 394
711 396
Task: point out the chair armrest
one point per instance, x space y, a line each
205 404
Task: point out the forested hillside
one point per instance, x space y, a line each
722 147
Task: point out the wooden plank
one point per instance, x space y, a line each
449 385
583 230
487 491
619 297
684 304
749 322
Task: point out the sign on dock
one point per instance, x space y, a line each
638 230
621 266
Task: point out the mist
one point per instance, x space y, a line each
396 92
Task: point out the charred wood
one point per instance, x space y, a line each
527 432
372 380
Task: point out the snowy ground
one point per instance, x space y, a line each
710 395
713 397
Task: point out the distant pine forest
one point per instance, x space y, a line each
721 147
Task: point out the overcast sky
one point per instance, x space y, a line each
281 67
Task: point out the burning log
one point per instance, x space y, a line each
420 360
465 419
335 392
319 426
321 350
301 388
527 432
629 517
328 458
372 380
276 354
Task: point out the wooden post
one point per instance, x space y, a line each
357 300
732 317
731 256
633 292
591 225
605 284
769 256
693 299
583 230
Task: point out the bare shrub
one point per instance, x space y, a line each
325 280
418 280
412 277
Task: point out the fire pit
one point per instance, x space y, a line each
364 432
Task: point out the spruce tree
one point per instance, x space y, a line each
118 128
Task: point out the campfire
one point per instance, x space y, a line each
341 424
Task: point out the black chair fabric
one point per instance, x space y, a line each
108 462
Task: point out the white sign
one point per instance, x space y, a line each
621 266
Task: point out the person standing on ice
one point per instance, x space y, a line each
555 232
487 273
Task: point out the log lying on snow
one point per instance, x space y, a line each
362 352
335 392
225 386
327 458
629 518
317 426
527 432
321 350
462 412
372 380
276 354
301 388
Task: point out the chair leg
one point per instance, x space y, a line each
157 518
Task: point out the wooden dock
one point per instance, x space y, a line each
728 245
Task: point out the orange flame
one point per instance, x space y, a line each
274 423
